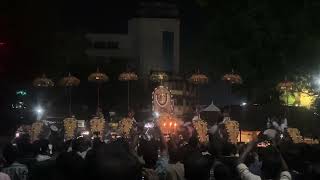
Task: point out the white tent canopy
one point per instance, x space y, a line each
211 108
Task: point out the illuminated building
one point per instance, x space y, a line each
152 41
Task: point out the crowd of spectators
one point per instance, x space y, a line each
162 158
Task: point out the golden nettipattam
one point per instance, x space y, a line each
97 125
232 128
36 129
159 76
202 130
125 126
70 126
295 135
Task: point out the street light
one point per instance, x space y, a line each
243 104
39 111
156 114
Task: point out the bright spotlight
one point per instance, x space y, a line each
149 125
39 110
85 133
243 104
156 114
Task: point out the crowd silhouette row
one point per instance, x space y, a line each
175 157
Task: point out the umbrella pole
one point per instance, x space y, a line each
128 96
70 101
198 99
98 97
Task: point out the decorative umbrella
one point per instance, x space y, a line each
159 76
99 78
232 77
198 79
69 82
43 81
128 76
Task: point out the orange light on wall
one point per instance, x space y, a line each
247 136
169 124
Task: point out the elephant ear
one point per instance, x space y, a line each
276 125
270 133
284 124
213 129
269 123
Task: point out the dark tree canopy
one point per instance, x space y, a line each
262 40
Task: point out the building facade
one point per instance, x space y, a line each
152 43
152 40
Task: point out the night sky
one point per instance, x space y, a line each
262 40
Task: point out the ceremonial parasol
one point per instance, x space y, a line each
198 79
232 77
69 82
43 81
98 78
128 76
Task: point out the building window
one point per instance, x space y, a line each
106 45
99 45
167 48
112 45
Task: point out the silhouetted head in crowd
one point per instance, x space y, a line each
188 149
70 165
96 143
222 172
228 149
10 154
194 141
67 145
149 151
184 133
121 144
215 146
271 163
43 146
197 167
174 153
114 165
80 145
24 146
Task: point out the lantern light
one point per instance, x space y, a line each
85 133
243 104
156 114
